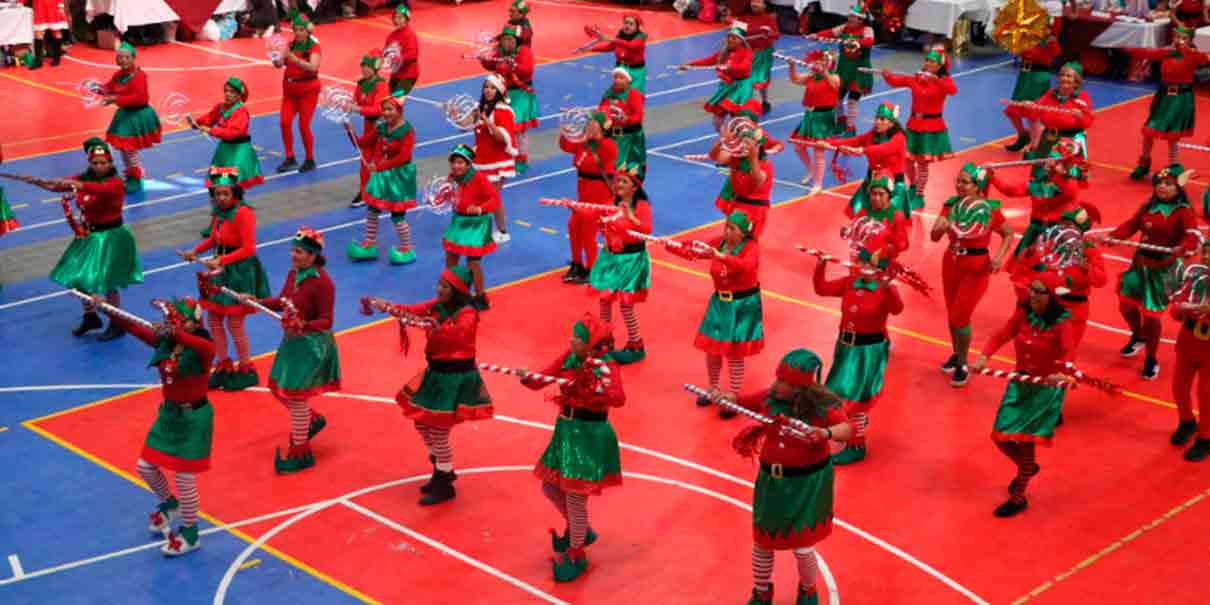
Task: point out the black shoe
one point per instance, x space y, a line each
39 52
357 202
765 108
703 402
1019 144
1199 451
54 50
113 332
307 166
573 273
1132 348
582 277
950 365
428 485
959 377
1010 507
480 302
91 321
287 166
1184 432
725 413
1151 369
441 489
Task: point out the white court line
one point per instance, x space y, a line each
73 387
15 563
163 69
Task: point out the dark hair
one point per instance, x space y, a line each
813 401
236 190
487 106
320 261
1182 198
456 302
1054 308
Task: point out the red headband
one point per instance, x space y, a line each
455 282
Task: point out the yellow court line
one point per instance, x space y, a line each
40 85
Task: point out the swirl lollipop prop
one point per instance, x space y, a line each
92 93
1190 285
860 231
1061 247
174 108
392 60
573 123
970 218
275 47
736 131
485 47
440 195
462 112
336 104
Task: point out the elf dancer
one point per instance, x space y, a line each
821 90
515 64
470 230
623 270
860 358
1166 219
1041 336
734 66
581 459
50 28
496 143
1172 108
307 363
300 92
392 184
792 500
183 432
856 39
449 391
595 159
885 148
8 220
405 44
1049 125
135 125
369 94
733 327
624 100
1033 81
928 139
765 32
518 17
749 186
1192 310
1052 191
229 122
892 219
104 259
629 48
968 219
236 266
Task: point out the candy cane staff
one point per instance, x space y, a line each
50 28
450 390
105 258
1052 191
595 160
236 266
762 24
300 92
181 437
885 149
392 183
1165 219
515 64
496 152
967 266
1171 117
135 125
581 459
880 210
928 138
8 220
792 500
518 17
229 122
1029 412
307 364
749 185
862 349
629 47
625 100
733 65
1192 309
821 90
469 233
405 41
622 272
370 92
1033 81
856 39
733 326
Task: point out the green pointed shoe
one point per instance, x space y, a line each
318 422
218 376
633 352
1140 172
298 458
570 565
402 258
560 543
849 455
806 598
243 377
359 252
761 597
133 184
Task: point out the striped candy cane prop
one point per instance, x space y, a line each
112 310
1193 146
1014 163
368 304
1142 245
574 205
894 271
1033 105
488 367
794 427
1018 377
1096 383
695 245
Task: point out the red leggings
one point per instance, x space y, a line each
964 281
1192 362
299 98
582 229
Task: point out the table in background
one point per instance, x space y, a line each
16 26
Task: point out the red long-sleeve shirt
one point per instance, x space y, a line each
631 106
899 225
856 40
476 190
527 31
177 388
230 128
735 272
861 311
617 225
1091 274
368 95
928 98
582 392
1173 70
632 52
1063 121
1039 352
743 182
454 337
314 299
764 23
293 71
237 235
129 90
390 149
594 169
882 154
1044 209
818 93
518 73
1178 228
790 451
408 43
99 200
737 67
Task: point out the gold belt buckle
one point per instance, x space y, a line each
617 132
566 413
777 471
1201 330
1052 133
1174 90
848 338
726 295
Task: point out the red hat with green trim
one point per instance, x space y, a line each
800 368
458 277
309 239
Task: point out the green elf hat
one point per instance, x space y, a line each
402 9
511 30
591 330
1074 66
882 181
458 277
297 19
739 29
888 111
739 219
938 55
522 6
309 239
188 308
633 172
239 86
857 11
373 59
125 47
397 98
978 174
1078 217
600 118
464 152
1175 171
1182 29
95 146
224 176
800 368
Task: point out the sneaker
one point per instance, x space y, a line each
287 166
573 272
1151 369
1132 348
357 202
501 237
959 377
583 276
180 543
1184 432
164 513
1199 451
950 365
816 189
806 180
307 166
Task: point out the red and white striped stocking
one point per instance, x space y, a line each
860 421
921 180
154 478
186 490
735 367
404 231
632 323
1174 152
714 369
300 419
239 336
606 311
577 518
215 322
437 439
762 567
808 568
134 165
850 110
557 497
371 237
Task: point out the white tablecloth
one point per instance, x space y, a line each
1202 39
16 26
1134 34
128 13
231 6
933 16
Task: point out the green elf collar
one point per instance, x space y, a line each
1041 188
863 283
466 178
303 47
301 276
614 95
230 110
366 85
1039 323
1165 208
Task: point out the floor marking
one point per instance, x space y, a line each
73 387
41 86
167 69
548 230
3 429
15 563
522 223
19 206
249 564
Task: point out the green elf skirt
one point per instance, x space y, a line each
902 198
242 157
931 146
1171 116
100 262
730 98
8 220
1143 287
133 128
469 235
1031 85
525 108
638 77
762 68
1028 413
306 366
392 190
622 276
445 394
246 277
851 79
582 457
857 372
632 149
793 511
180 439
732 328
815 124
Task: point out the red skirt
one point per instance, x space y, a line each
49 15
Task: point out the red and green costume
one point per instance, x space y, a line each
765 33
1030 412
368 95
233 239
450 390
741 192
1050 196
595 163
1172 112
627 133
106 258
470 235
8 220
1033 77
392 185
734 70
855 44
966 265
630 54
307 364
622 272
733 326
927 136
1170 224
1193 363
407 43
1059 125
886 153
230 125
135 124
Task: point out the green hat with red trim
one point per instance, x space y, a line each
1078 217
458 277
522 6
739 29
462 151
372 59
857 11
889 111
309 239
1178 172
95 146
188 308
403 9
238 85
740 220
882 181
800 368
511 30
125 47
224 176
978 174
1074 66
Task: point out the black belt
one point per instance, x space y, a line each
1063 133
1153 255
451 365
306 79
111 225
1075 298
728 295
778 471
1042 223
639 65
927 116
750 201
854 339
572 413
1027 66
1175 89
590 177
960 251
243 139
524 86
629 129
188 406
221 250
633 247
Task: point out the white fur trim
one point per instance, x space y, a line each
619 70
498 82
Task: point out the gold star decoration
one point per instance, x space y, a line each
1021 25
